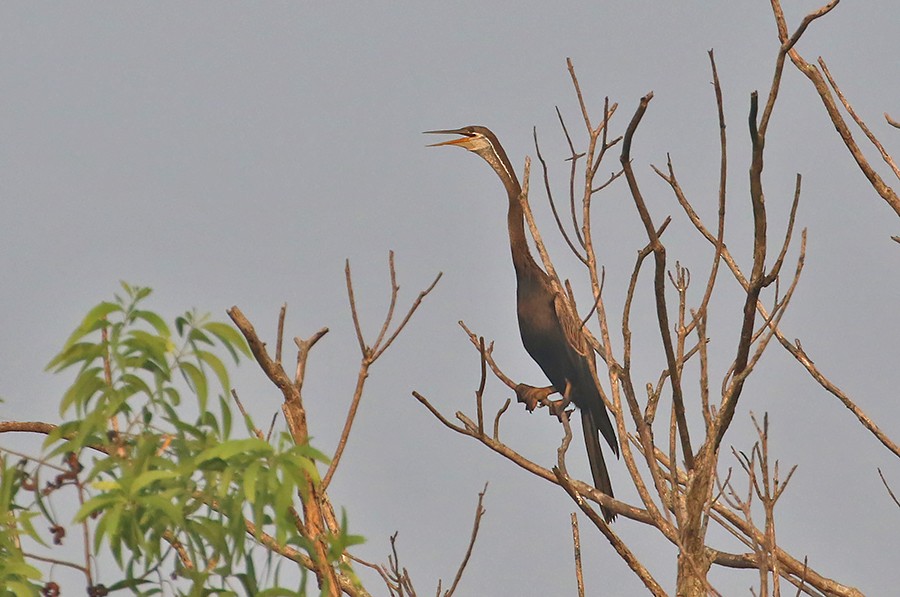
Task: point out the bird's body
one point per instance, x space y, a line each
551 332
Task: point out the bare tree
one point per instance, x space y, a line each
675 468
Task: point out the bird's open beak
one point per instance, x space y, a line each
465 137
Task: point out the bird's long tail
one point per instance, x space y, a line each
595 457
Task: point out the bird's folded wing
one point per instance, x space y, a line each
571 325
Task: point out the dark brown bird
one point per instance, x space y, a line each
550 331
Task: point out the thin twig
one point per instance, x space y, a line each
256 431
626 554
479 393
584 112
303 348
573 158
479 512
380 348
359 335
547 188
488 353
361 377
859 121
888 487
499 414
279 336
576 543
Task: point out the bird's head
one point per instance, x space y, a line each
476 139
481 141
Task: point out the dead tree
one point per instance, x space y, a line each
675 468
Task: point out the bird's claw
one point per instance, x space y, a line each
558 408
531 396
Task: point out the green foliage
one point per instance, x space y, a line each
16 575
160 487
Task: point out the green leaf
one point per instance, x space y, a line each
94 320
75 353
293 468
229 336
224 483
251 473
96 504
24 520
129 583
21 569
226 418
58 433
161 505
155 320
196 335
149 346
87 384
148 477
174 398
137 293
106 485
217 366
197 380
231 448
108 525
180 323
134 384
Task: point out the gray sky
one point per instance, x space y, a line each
236 154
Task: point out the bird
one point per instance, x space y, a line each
551 333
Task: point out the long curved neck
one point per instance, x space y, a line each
515 217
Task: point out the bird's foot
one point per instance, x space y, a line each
558 408
531 396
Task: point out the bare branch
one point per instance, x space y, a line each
787 47
818 81
479 512
488 354
789 565
412 309
395 291
888 487
359 335
303 348
576 543
559 223
369 354
581 104
316 507
573 158
499 414
437 414
756 282
859 121
479 393
642 573
279 334
273 370
772 276
256 431
659 254
794 347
